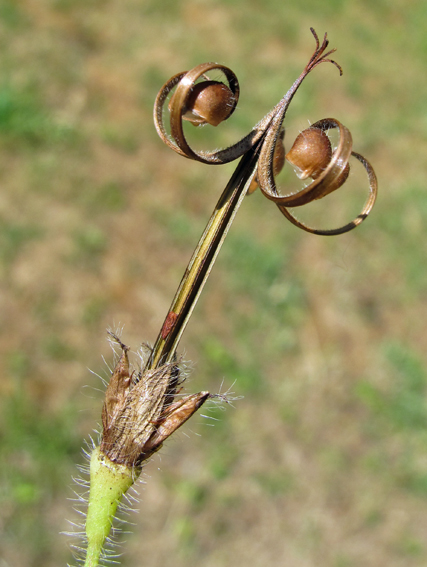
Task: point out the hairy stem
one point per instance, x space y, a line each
108 482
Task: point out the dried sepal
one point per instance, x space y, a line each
173 417
117 389
140 410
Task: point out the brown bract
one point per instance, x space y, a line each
117 392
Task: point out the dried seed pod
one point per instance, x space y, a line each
311 153
278 162
343 177
279 155
209 102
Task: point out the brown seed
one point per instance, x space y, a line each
311 153
209 102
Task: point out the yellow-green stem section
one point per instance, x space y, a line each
108 482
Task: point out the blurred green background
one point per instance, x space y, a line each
323 463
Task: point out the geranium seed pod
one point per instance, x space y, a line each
209 102
279 155
278 162
343 177
311 153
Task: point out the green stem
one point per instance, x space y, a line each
108 482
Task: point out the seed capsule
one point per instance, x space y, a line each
209 102
278 162
343 177
311 153
279 155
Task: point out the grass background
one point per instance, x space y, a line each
323 463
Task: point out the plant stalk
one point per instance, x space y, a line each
204 256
